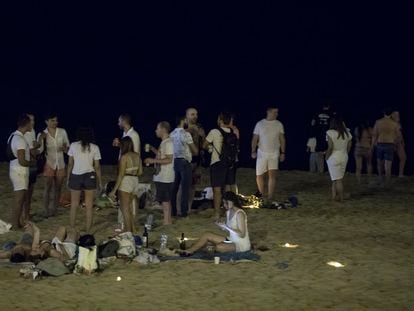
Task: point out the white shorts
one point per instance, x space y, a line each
337 165
129 184
266 162
19 177
69 246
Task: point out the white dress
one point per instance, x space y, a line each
339 159
242 244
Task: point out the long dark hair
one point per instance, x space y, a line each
231 196
86 136
338 125
360 128
127 145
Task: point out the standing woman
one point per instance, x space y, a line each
339 145
84 171
402 155
129 167
363 148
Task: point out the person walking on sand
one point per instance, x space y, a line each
386 135
184 149
84 171
198 135
18 152
363 148
268 148
402 155
164 175
56 142
339 144
127 182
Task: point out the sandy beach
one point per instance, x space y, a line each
371 234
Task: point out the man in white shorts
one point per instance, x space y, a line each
268 147
18 152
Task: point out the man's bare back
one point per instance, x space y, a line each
386 131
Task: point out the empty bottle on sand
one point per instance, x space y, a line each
182 242
145 238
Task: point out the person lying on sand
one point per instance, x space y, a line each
28 249
236 225
63 245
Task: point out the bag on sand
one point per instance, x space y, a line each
127 246
53 267
87 262
108 249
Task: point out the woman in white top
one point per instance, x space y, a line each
339 144
130 166
84 171
237 239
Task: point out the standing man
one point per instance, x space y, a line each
125 124
19 155
57 143
198 135
224 145
320 125
184 149
385 137
30 138
268 147
164 172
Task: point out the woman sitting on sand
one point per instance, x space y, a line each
339 145
236 225
127 181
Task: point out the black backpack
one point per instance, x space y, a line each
230 148
9 152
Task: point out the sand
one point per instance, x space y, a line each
371 234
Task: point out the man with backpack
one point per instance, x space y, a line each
268 147
224 145
18 153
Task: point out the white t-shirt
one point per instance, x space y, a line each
269 135
30 138
166 173
18 142
215 138
135 139
339 144
83 159
54 157
182 141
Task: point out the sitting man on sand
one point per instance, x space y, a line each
237 239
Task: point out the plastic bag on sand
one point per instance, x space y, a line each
4 227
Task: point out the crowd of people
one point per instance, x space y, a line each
177 165
331 140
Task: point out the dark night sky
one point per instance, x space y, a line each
91 62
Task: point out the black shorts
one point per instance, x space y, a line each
82 182
163 191
222 175
32 175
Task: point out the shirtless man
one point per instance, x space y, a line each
198 135
385 136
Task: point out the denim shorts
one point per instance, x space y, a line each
83 182
385 151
